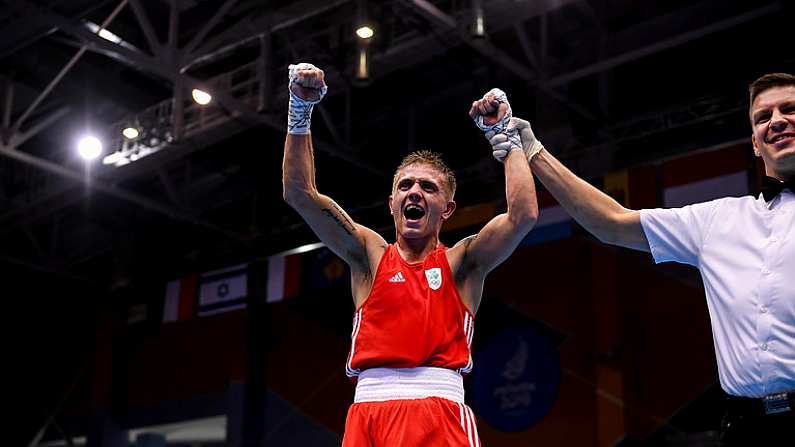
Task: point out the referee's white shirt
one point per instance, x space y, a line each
745 250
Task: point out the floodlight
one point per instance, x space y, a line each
89 147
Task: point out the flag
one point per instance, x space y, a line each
180 300
223 290
284 277
705 176
553 222
322 269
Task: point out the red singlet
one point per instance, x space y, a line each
409 347
412 317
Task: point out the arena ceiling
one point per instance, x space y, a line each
606 83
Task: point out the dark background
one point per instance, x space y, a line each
608 85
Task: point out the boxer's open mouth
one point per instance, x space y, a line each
413 211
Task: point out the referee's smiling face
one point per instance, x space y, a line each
773 122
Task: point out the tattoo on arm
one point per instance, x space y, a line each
339 216
465 266
467 241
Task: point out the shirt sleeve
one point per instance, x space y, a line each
677 234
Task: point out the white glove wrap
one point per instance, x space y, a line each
502 143
506 128
500 125
299 112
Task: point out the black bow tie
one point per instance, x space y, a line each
772 187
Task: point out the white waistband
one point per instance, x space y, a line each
381 384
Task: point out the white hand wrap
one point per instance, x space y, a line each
500 125
509 138
502 143
299 112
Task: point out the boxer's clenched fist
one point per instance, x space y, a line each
492 112
307 82
489 108
307 87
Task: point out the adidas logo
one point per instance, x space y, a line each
397 277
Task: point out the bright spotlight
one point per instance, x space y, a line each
89 147
365 32
201 97
130 133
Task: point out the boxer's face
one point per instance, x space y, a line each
773 122
420 201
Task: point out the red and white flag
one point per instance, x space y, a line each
705 176
180 301
284 277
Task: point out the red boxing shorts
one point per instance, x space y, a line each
410 407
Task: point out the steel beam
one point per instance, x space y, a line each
662 45
19 138
524 42
8 104
31 26
147 63
276 21
264 103
146 26
173 24
168 185
33 242
209 26
114 191
18 123
497 56
54 413
44 269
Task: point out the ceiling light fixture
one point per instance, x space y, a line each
365 32
365 29
130 133
201 97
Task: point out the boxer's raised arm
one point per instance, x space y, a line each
503 233
329 221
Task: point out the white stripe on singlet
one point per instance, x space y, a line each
469 331
382 384
357 323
